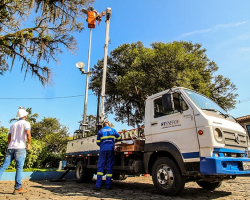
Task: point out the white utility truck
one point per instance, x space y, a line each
187 137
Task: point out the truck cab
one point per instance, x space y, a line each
206 143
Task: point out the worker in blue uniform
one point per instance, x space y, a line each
106 139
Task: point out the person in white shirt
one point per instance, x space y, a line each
19 133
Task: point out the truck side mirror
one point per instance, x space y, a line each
168 102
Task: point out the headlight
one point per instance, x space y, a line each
218 135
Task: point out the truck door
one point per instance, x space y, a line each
177 127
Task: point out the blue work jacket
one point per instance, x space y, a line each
106 138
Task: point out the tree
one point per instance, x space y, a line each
50 131
91 121
3 142
135 72
54 136
42 39
222 92
37 155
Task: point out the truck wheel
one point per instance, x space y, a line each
120 177
209 186
167 177
83 175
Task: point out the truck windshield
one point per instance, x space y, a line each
206 104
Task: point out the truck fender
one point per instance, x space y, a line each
172 150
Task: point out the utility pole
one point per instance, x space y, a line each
108 16
92 17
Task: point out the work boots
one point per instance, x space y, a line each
19 191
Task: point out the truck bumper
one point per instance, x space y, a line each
225 165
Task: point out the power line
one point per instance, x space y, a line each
39 98
243 101
80 95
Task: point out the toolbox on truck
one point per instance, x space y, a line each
137 145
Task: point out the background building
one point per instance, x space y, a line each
245 122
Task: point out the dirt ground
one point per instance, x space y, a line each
131 188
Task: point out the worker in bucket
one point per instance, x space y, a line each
18 134
106 139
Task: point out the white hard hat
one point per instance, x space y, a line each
21 113
105 122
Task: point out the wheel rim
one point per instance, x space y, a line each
165 176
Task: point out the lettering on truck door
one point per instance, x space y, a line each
176 127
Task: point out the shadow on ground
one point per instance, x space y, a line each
128 189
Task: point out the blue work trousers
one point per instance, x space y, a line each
19 156
105 158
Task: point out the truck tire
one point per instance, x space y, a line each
119 177
167 177
209 186
83 175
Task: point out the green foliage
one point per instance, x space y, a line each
91 121
4 145
4 130
3 142
52 160
50 131
36 170
49 31
222 91
36 155
135 72
48 146
54 136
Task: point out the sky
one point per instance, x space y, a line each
221 27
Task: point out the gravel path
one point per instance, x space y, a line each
132 188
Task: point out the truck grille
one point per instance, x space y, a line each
235 139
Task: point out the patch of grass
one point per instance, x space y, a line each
36 170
